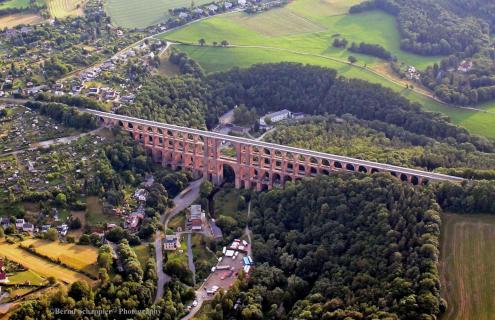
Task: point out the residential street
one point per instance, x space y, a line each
182 201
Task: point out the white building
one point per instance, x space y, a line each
170 243
275 117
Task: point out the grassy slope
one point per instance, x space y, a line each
468 273
307 26
216 59
143 13
64 8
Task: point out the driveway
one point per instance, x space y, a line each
163 278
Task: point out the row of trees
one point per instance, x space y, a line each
69 116
375 50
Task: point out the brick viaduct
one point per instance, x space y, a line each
256 164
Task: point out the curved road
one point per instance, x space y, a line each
181 202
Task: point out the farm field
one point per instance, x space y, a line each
40 265
466 266
221 59
78 257
20 18
143 13
26 276
65 8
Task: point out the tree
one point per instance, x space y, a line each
79 290
51 234
61 199
202 41
206 188
224 43
105 260
352 59
2 234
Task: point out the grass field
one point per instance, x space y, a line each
14 4
20 18
143 13
65 8
467 268
219 59
303 32
76 256
40 265
27 276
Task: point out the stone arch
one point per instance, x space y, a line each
266 151
287 178
278 154
290 166
159 130
313 160
325 162
403 177
140 127
415 180
228 173
276 179
130 125
350 167
393 173
374 170
302 169
337 164
149 129
325 172
170 133
313 171
362 169
121 124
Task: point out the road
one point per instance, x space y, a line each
182 201
190 257
247 232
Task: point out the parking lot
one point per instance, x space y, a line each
225 274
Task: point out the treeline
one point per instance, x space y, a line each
73 101
69 116
270 87
375 50
430 27
468 197
186 65
343 246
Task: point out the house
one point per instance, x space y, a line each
275 117
241 3
170 243
196 225
198 11
412 73
63 229
183 15
19 223
465 66
197 214
132 220
298 115
141 194
45 228
4 223
28 227
3 275
93 91
228 5
212 7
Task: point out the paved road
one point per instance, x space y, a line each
163 278
181 202
190 258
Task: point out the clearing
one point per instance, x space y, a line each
40 265
78 257
466 266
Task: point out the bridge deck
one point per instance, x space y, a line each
261 144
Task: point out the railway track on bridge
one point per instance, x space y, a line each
280 160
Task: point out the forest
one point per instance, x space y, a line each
342 247
459 30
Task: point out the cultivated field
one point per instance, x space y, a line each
65 8
14 4
17 19
467 268
143 13
303 31
40 265
76 256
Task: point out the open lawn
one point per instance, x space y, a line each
20 18
94 212
28 276
467 268
179 255
221 59
65 8
40 265
76 256
143 13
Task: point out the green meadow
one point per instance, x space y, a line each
221 59
143 13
